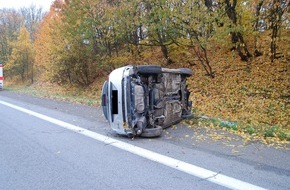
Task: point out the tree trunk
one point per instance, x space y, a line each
203 59
165 54
256 27
276 19
164 49
237 37
32 73
273 42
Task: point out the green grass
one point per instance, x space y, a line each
275 133
74 95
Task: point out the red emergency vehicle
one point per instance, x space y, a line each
1 76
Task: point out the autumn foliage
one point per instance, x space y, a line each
254 95
238 50
21 60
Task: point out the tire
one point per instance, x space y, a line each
149 69
185 71
152 132
188 116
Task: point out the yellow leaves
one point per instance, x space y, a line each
21 60
250 93
216 137
44 44
234 151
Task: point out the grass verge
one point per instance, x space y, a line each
88 96
270 135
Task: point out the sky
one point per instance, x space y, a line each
16 4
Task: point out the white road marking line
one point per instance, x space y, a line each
191 169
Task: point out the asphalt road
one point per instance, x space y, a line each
38 154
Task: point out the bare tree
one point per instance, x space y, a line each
32 16
10 23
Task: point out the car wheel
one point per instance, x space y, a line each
152 132
185 71
149 69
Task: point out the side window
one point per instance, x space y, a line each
114 101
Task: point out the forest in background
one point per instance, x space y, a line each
239 51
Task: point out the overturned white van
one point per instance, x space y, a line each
143 100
